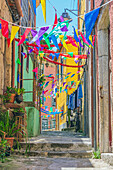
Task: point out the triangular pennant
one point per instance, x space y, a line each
35 70
55 41
24 36
70 53
39 34
8 42
72 75
57 55
5 31
18 61
75 35
13 32
83 38
64 44
47 40
56 21
43 3
64 84
90 19
71 41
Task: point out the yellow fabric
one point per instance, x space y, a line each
43 3
13 32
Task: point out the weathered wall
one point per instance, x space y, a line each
5 52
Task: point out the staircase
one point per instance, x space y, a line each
58 144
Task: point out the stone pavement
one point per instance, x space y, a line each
63 151
36 163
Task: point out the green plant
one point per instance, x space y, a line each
4 146
8 127
97 154
7 94
20 91
19 110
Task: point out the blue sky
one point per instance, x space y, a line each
50 12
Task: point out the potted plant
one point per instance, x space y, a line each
8 129
9 95
4 147
19 93
19 112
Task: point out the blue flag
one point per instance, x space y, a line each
53 37
90 19
57 55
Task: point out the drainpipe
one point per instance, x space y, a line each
94 90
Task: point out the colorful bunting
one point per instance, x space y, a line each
35 70
56 21
5 31
24 36
90 19
43 3
14 30
18 61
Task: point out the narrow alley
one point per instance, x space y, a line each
56 84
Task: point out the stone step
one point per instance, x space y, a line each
56 146
56 154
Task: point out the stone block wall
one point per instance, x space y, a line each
5 52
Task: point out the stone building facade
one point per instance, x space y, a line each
5 51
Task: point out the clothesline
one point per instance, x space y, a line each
56 24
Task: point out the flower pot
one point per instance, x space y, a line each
10 141
12 98
19 98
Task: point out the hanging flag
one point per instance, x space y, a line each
70 53
46 84
24 54
75 35
71 41
0 27
14 30
68 73
90 19
34 33
34 6
66 77
80 93
8 42
51 109
60 89
93 40
84 39
64 84
47 40
24 36
64 44
43 3
5 31
64 29
39 34
35 70
55 41
72 75
57 55
56 21
18 61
